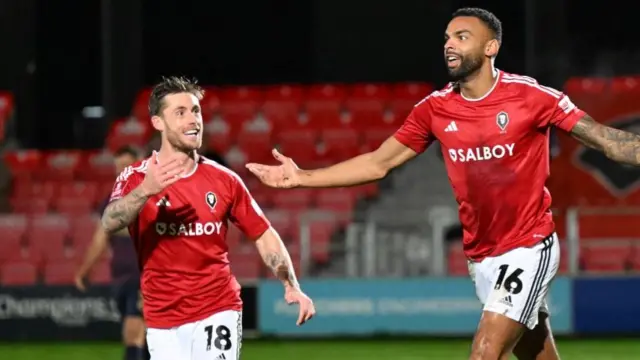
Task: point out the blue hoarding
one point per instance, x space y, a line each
607 305
418 306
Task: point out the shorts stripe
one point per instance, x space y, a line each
239 340
541 274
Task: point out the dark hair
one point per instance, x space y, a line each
172 85
487 17
127 150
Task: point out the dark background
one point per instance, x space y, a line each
60 56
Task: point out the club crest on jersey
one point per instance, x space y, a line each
211 200
502 119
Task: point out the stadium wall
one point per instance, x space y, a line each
416 307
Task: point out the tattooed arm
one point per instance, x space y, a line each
617 145
120 213
276 257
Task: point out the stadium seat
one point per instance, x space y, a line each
30 206
406 95
234 237
140 109
635 258
219 134
300 145
86 190
373 138
34 190
367 103
128 132
59 273
608 258
340 199
597 226
256 145
74 206
283 104
101 273
296 199
6 111
96 166
339 144
18 273
245 263
210 103
23 164
59 165
324 105
321 226
456 260
47 236
281 221
240 104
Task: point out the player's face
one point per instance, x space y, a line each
465 44
123 161
181 123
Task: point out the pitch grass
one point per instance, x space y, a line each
329 350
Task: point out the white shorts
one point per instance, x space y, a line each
218 337
516 283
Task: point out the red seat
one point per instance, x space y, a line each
59 273
281 221
240 104
456 260
18 273
128 132
341 200
373 138
30 206
140 109
299 145
23 164
367 102
13 229
283 104
297 199
219 134
210 103
6 111
60 165
80 189
338 145
47 236
97 166
625 85
34 190
321 226
101 273
73 206
635 258
234 237
325 104
256 145
595 226
245 263
606 258
406 95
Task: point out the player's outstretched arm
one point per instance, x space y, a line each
361 169
617 145
276 257
96 249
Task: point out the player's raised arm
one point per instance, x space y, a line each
617 145
128 198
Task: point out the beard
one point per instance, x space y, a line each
174 139
468 65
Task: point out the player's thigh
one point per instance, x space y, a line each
217 335
521 281
496 337
133 330
164 344
538 343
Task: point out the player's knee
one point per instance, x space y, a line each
133 331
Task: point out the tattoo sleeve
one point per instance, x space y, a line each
276 257
122 212
617 145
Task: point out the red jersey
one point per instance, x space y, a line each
496 152
179 238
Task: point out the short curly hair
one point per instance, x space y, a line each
172 85
487 17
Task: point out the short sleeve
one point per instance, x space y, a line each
246 213
558 110
126 181
415 132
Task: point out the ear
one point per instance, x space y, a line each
492 48
157 123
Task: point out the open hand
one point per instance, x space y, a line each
284 176
160 176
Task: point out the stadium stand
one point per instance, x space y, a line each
55 195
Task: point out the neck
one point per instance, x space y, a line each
477 85
168 152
